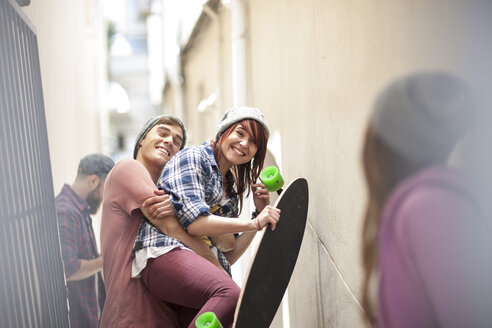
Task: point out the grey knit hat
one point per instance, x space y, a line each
96 163
422 116
150 124
236 114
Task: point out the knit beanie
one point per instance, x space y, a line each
236 114
96 163
150 124
422 116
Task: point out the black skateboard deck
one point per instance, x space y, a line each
269 273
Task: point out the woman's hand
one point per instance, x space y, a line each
261 196
157 207
270 215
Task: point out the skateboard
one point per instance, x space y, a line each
270 272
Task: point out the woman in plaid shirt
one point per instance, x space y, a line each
206 184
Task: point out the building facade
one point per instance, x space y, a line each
314 68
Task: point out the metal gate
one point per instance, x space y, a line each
32 283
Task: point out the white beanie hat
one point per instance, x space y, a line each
422 116
237 114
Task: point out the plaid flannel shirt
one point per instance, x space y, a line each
194 182
86 296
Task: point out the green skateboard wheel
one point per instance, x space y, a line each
208 320
271 178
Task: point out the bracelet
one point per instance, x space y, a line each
258 223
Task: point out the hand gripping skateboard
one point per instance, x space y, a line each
269 273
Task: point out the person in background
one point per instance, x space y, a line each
74 205
426 238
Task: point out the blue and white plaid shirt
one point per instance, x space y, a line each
193 180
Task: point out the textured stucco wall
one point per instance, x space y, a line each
315 69
71 42
207 70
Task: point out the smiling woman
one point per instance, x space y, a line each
206 185
238 147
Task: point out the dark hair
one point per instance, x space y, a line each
384 169
247 173
97 164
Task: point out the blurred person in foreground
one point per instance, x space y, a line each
426 237
74 205
130 194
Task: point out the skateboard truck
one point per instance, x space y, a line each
272 179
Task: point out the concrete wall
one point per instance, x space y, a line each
72 48
315 68
207 71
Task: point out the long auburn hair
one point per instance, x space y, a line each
384 168
247 173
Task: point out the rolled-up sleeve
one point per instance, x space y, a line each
185 178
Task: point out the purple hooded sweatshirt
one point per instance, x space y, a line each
434 254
